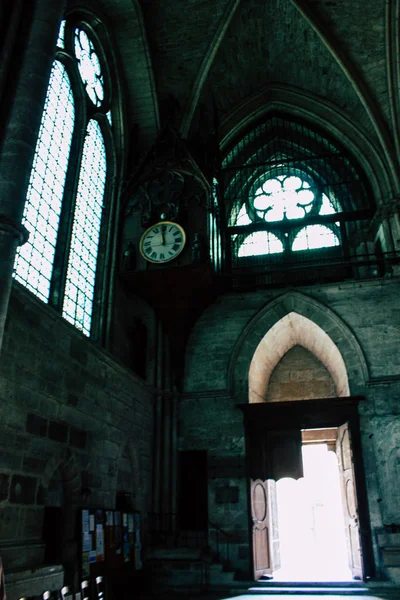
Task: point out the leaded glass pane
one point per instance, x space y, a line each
260 242
315 236
78 297
243 218
34 260
326 206
283 197
61 34
89 67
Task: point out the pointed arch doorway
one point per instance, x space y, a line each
275 434
298 389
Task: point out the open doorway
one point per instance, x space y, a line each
310 514
279 440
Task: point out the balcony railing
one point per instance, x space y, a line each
317 266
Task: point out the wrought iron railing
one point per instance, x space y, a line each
164 530
220 542
213 541
327 265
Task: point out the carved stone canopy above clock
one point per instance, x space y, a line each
168 182
158 198
166 195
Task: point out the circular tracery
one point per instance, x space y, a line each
279 198
89 66
283 197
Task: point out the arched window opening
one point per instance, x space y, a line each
243 218
82 259
315 236
68 189
260 243
34 261
285 184
282 198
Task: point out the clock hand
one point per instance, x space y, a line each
163 234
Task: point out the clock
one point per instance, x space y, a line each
162 242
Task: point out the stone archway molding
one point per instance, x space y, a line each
291 330
70 472
297 103
329 338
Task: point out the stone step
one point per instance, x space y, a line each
309 584
177 553
338 591
174 574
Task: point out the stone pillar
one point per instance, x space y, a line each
20 136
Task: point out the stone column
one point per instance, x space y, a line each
20 136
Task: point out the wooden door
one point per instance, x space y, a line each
274 537
350 508
261 528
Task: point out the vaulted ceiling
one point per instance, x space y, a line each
182 57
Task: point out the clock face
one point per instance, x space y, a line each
162 242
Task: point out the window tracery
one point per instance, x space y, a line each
278 198
284 183
68 187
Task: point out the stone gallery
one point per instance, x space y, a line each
199 299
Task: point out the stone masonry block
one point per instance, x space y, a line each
23 489
4 486
78 351
58 431
77 437
36 425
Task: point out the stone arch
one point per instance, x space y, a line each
129 476
318 112
291 330
322 317
133 47
70 472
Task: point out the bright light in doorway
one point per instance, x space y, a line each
311 524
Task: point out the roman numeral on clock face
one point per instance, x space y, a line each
162 243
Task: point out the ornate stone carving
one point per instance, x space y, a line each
168 183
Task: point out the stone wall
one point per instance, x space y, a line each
212 422
300 374
66 405
362 320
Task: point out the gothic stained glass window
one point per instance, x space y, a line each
294 199
61 34
69 177
89 67
287 196
82 259
34 260
261 242
315 236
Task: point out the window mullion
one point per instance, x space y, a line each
57 288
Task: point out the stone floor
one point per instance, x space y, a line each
392 595
269 594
